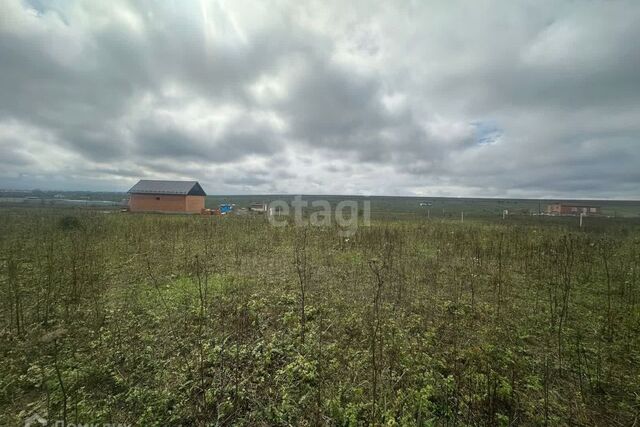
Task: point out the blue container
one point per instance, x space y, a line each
226 208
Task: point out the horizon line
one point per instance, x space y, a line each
6 190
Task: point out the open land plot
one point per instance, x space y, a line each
190 320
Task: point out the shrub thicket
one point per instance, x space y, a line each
171 320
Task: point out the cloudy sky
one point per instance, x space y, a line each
443 98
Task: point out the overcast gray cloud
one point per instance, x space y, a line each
459 98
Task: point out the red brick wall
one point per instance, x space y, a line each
194 204
157 203
165 203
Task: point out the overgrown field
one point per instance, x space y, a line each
175 320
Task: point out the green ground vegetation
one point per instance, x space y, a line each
188 320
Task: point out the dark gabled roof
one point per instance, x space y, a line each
149 186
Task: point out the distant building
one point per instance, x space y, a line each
573 209
258 207
166 196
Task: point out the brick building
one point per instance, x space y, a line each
572 209
166 196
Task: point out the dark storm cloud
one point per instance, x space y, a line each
462 98
171 143
168 139
246 180
328 103
12 158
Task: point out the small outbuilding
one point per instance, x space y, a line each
258 207
166 196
